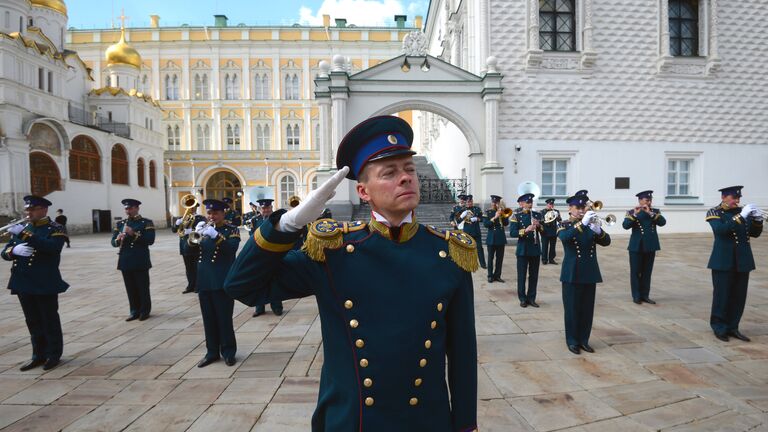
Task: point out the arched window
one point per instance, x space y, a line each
174 137
119 165
172 87
140 172
261 87
230 86
262 136
287 189
152 174
203 137
292 137
295 85
198 87
313 183
84 160
44 173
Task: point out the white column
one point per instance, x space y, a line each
247 131
664 27
491 126
587 40
245 82
324 105
186 83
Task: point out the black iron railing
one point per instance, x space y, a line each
93 119
441 190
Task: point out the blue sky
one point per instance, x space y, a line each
86 14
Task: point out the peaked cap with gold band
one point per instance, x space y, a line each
329 234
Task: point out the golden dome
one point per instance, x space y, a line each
123 54
57 5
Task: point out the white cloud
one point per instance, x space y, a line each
360 12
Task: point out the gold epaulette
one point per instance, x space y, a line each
462 248
327 234
714 213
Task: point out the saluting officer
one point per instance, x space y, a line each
35 250
183 227
643 244
133 236
265 206
525 225
472 225
496 239
217 253
381 373
580 272
549 235
731 260
232 215
457 209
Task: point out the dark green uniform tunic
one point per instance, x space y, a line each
134 262
215 257
579 275
643 244
233 218
549 237
473 229
189 252
37 282
496 241
383 371
528 252
731 261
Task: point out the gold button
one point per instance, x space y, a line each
364 363
413 401
433 325
350 248
354 323
427 344
367 382
423 362
348 304
442 254
439 307
369 401
359 343
417 382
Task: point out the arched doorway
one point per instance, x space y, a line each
468 101
44 173
224 184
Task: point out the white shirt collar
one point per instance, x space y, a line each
383 220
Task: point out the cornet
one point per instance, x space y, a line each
609 220
12 223
195 237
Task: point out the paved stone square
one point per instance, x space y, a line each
656 367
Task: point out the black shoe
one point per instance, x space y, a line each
523 304
258 311
483 267
31 364
498 279
738 335
544 262
188 290
490 279
533 303
229 361
143 317
722 336
649 301
206 361
553 262
637 301
574 349
132 317
51 363
277 312
67 246
587 348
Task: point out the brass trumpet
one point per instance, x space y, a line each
12 223
294 201
195 237
609 220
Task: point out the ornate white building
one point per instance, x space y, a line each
83 146
240 113
615 97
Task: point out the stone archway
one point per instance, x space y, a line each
224 184
412 81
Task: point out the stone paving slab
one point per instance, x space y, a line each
657 367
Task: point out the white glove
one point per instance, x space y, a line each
199 225
595 228
473 219
187 231
179 221
22 249
587 217
15 229
313 206
464 214
747 210
210 232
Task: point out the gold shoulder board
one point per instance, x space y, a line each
461 247
327 234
